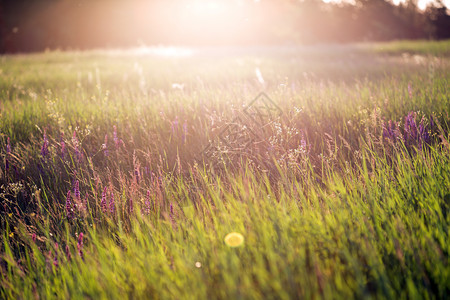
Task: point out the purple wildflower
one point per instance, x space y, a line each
424 133
44 148
431 122
76 190
33 237
103 202
391 131
69 210
80 245
411 132
112 206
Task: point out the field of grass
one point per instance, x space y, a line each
437 48
123 171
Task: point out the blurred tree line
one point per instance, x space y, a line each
35 25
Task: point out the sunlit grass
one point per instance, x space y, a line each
334 201
437 48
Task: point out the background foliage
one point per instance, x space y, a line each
56 24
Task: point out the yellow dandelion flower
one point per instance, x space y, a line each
234 239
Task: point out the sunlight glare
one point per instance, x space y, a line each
208 8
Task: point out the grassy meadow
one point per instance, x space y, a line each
123 171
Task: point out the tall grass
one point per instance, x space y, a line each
107 191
